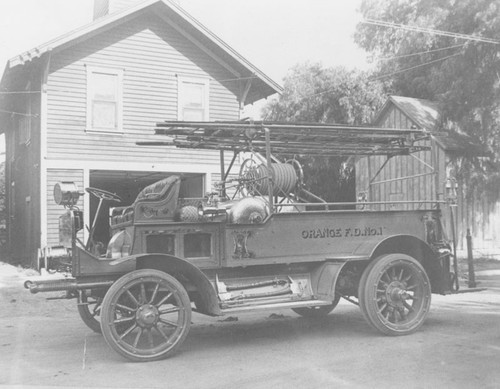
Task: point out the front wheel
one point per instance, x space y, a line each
395 294
89 309
146 315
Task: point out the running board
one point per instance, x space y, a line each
276 305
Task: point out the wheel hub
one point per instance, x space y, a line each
396 293
147 316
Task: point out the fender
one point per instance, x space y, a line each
208 302
324 278
421 251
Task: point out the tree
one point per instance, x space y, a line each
316 94
461 74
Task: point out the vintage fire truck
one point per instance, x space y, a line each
261 240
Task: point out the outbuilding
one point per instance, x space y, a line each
429 174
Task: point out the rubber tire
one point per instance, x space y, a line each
367 294
317 311
107 314
88 319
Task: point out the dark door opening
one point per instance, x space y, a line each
127 185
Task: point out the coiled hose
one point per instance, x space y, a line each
284 178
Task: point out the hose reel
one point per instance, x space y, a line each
286 177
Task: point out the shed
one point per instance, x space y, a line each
423 176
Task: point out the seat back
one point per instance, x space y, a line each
158 200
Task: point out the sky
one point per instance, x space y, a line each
273 35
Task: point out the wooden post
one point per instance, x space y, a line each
455 260
470 260
270 186
222 194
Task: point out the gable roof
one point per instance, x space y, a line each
259 85
426 115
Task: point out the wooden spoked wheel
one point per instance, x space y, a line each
146 315
395 294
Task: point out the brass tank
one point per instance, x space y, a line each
249 210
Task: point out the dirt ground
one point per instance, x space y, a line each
45 344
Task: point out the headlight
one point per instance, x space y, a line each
66 194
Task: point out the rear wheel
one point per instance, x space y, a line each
146 315
395 294
318 311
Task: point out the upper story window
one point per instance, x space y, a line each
104 99
193 99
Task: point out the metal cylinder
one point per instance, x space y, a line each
249 210
64 285
66 194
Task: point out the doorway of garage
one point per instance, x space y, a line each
127 185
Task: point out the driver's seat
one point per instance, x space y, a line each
157 201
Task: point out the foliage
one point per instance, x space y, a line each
462 75
316 94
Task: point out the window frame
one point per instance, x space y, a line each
170 235
205 82
91 70
201 257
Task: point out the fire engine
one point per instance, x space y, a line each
260 240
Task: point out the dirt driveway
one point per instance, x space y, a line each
45 344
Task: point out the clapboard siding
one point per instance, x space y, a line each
152 55
53 210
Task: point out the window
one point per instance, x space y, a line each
104 99
160 244
193 99
197 245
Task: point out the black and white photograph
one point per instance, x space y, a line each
249 194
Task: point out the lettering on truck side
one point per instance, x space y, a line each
321 233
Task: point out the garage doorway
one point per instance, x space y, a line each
127 185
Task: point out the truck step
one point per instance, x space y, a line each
274 305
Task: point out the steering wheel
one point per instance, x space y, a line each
104 194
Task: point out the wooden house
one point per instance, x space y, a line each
76 106
423 176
